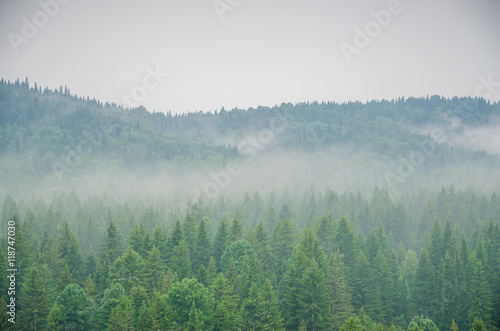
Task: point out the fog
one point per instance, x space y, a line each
272 170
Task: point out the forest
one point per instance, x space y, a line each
281 263
99 220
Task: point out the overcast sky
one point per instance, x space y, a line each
251 52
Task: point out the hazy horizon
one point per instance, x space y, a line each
252 53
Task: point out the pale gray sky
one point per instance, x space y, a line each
263 52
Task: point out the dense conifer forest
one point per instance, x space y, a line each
359 242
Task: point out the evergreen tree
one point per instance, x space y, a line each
144 319
70 253
420 323
236 231
478 325
174 240
282 244
221 242
55 319
226 305
76 307
194 323
251 309
480 294
340 300
352 324
189 234
65 279
35 306
180 261
128 269
112 297
203 247
90 288
424 294
313 298
112 247
180 300
270 314
154 268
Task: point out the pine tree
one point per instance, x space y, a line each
313 298
270 316
89 288
282 244
480 294
160 241
420 323
203 247
347 244
55 319
226 304
251 308
144 319
362 282
158 312
340 301
180 261
112 297
326 233
262 248
478 325
236 231
154 269
194 323
174 240
424 287
137 240
64 279
189 234
115 320
35 306
180 299
128 269
352 324
270 217
76 307
221 242
112 247
70 253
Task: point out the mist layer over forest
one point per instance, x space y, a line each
314 216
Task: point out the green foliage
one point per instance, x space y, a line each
180 262
128 269
76 307
183 295
34 302
352 324
420 323
236 251
385 285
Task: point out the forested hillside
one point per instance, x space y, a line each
314 262
313 216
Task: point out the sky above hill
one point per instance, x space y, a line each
180 56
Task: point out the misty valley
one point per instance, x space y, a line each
382 215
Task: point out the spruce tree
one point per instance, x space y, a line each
35 306
313 298
203 247
154 268
340 300
180 262
55 319
221 242
226 314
